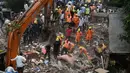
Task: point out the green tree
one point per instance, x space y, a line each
15 5
126 36
116 3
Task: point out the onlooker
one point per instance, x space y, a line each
20 62
10 69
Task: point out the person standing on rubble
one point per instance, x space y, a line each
76 20
65 47
68 32
78 36
85 52
57 44
81 22
89 35
20 60
48 47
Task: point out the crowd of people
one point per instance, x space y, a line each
76 16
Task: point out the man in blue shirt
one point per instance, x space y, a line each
10 69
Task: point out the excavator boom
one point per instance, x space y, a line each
15 35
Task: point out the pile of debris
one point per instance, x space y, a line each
36 63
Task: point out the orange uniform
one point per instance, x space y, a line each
89 34
76 20
83 50
71 46
78 36
66 45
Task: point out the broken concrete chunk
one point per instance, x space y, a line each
100 70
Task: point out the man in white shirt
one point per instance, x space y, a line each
20 62
26 7
81 22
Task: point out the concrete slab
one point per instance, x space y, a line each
115 29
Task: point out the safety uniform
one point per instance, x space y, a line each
76 20
89 34
87 11
65 47
78 36
71 48
84 51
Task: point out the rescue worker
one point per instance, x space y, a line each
89 34
78 36
87 10
61 36
56 49
48 47
74 9
65 47
87 13
76 20
56 14
68 32
98 50
71 47
85 52
69 6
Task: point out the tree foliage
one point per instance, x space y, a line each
126 36
15 5
116 3
125 4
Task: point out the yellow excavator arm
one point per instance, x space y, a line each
15 35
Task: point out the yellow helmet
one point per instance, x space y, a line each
85 5
56 9
57 39
90 27
67 9
81 47
62 36
79 29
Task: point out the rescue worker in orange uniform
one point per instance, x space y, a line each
76 20
78 36
65 47
89 34
71 47
84 51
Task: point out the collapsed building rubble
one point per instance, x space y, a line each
38 64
